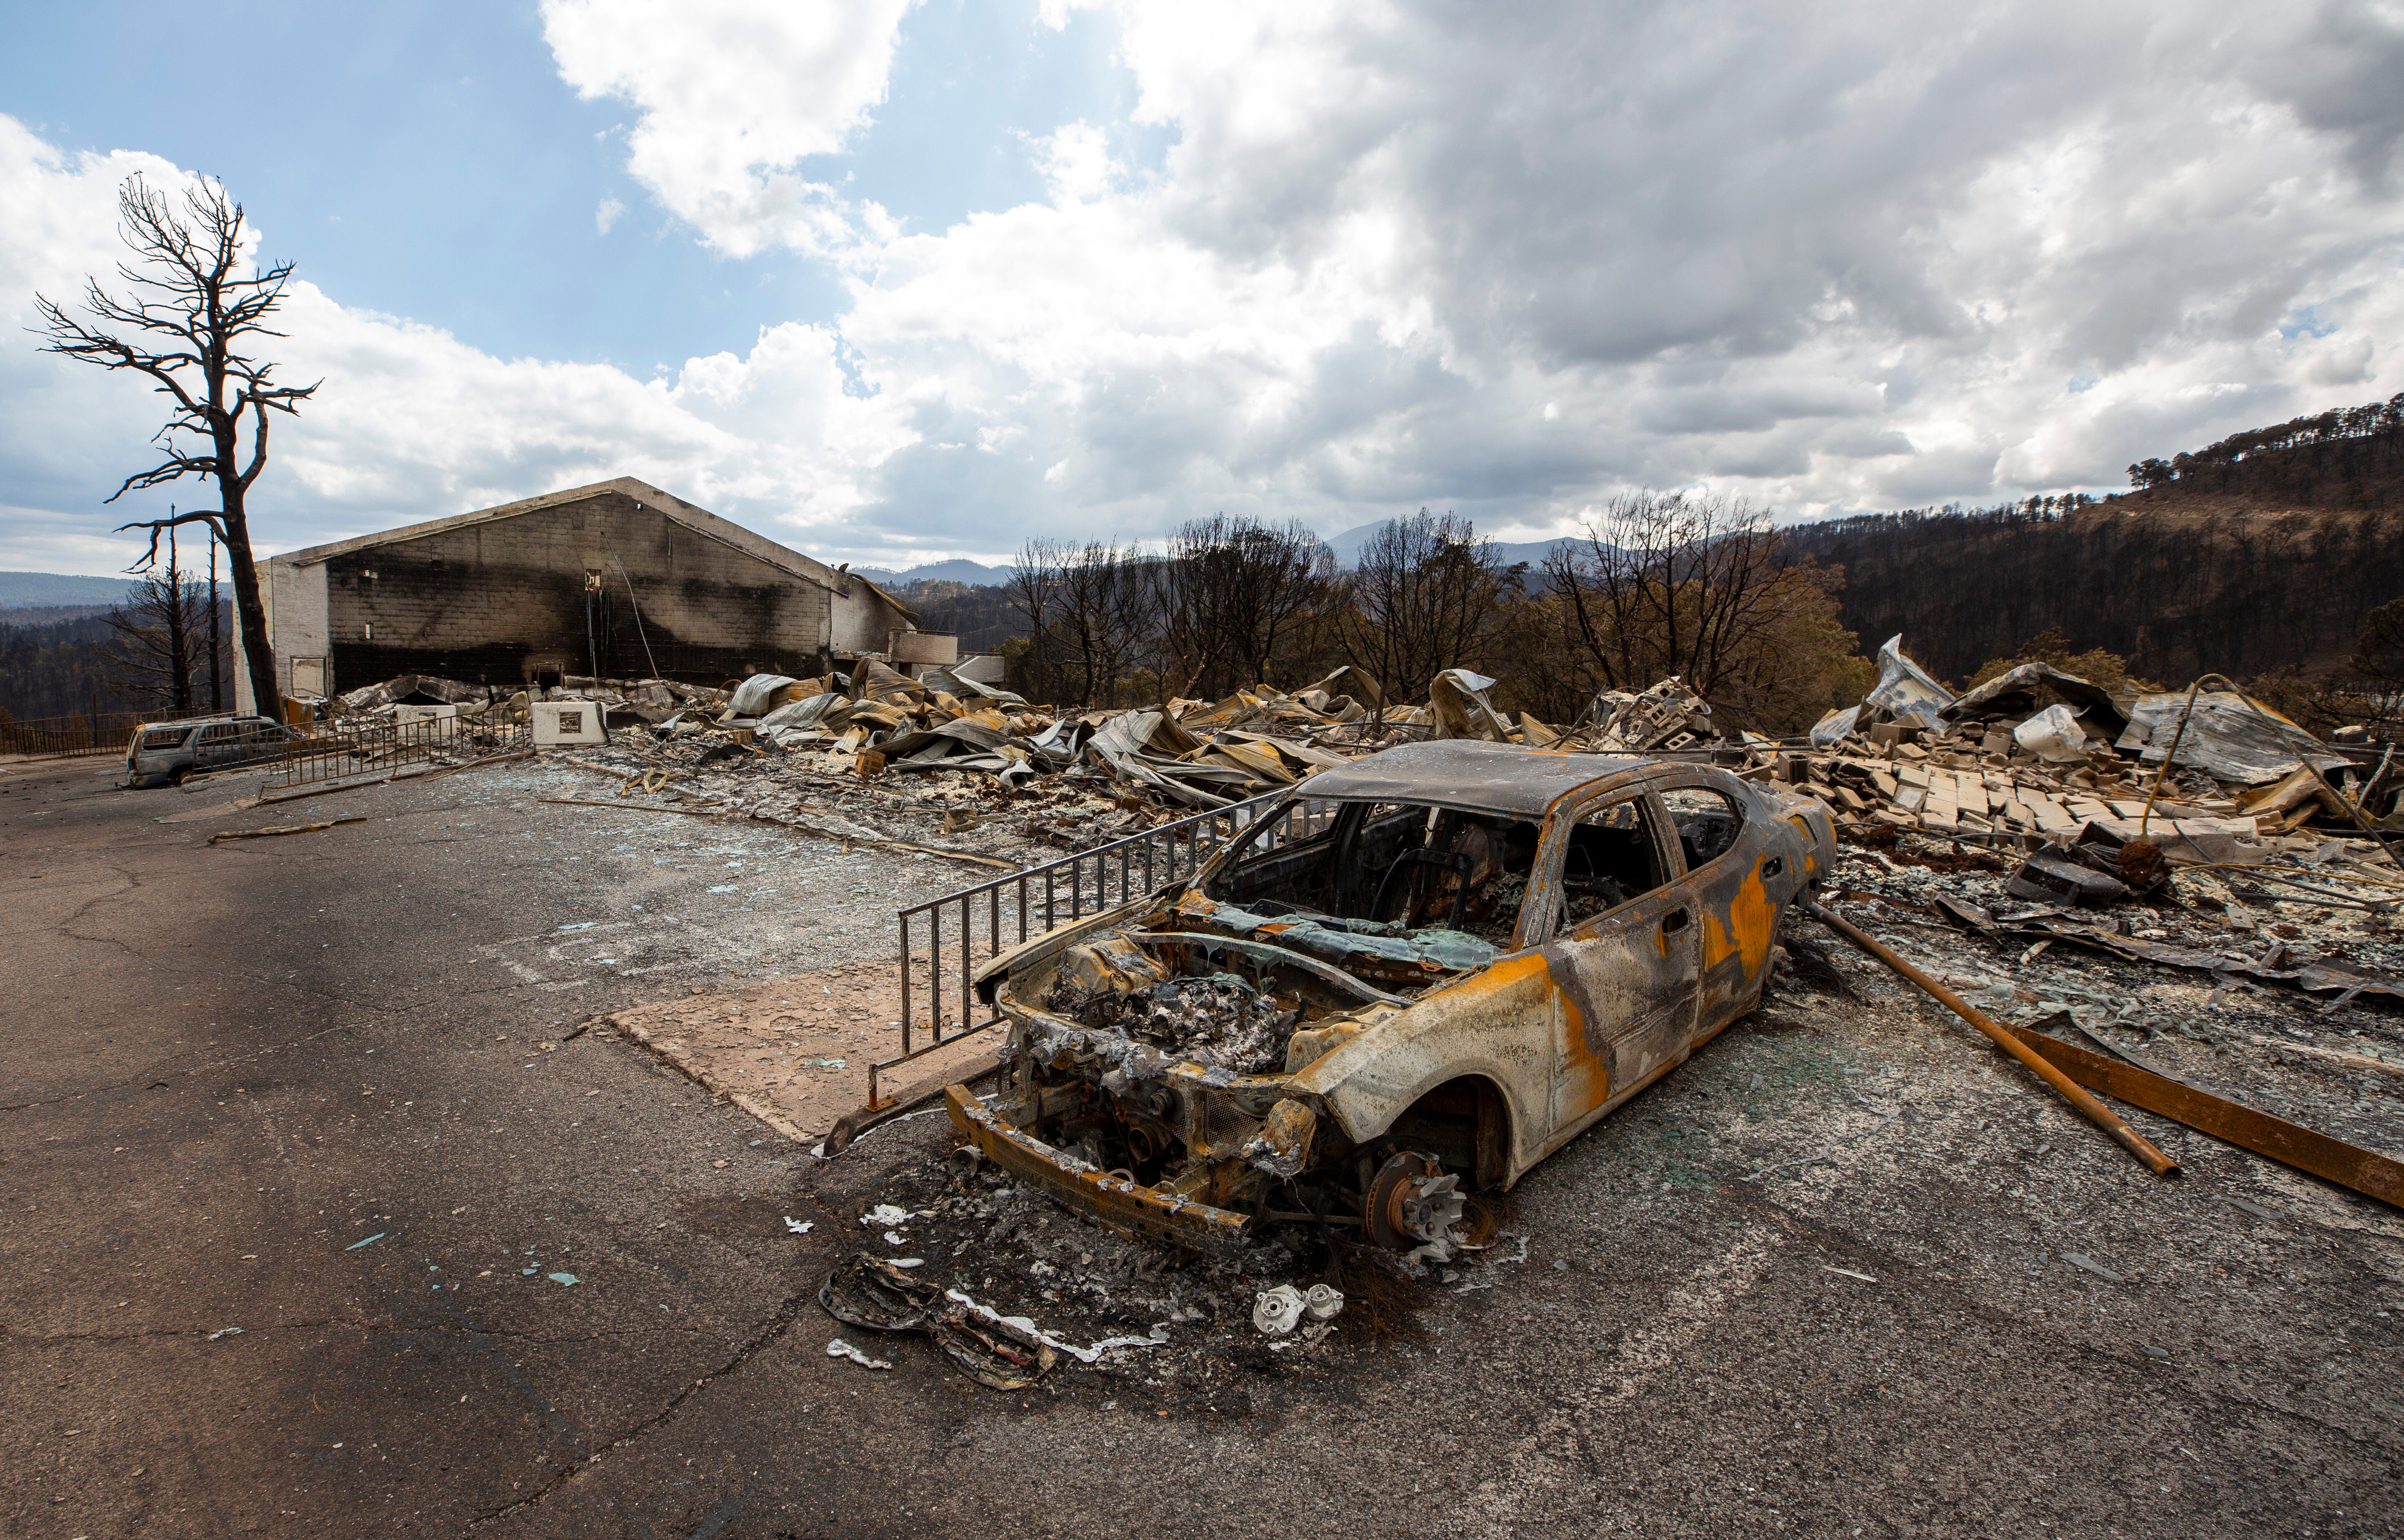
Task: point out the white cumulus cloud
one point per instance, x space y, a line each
733 95
1506 259
1511 261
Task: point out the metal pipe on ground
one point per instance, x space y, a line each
2076 1095
2371 1174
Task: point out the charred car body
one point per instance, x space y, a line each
1433 965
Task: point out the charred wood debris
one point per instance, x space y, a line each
2170 895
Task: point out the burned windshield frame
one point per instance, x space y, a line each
1339 831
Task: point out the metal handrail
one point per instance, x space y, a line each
67 736
1027 903
332 753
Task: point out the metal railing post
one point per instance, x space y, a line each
904 918
935 973
967 957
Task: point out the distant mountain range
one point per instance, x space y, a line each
41 590
1346 546
957 570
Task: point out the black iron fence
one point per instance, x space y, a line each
64 737
945 941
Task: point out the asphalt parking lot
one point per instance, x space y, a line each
320 1214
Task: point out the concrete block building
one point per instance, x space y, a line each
619 580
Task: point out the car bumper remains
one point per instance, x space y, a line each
1116 1202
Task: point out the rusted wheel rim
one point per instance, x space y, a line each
1387 1190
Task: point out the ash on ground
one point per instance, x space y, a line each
976 1230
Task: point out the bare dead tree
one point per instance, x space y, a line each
1232 591
1092 611
1673 583
1034 587
154 650
186 321
1427 595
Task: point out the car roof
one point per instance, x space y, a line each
201 721
1471 775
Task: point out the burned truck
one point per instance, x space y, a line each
1430 967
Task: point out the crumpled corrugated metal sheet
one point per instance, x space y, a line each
2014 692
2278 964
2231 737
1905 691
1457 697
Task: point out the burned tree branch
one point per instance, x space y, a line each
211 517
184 325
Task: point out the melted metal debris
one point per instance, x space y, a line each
1220 1021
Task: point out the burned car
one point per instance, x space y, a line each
1430 967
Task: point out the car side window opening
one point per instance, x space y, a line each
1611 858
1707 821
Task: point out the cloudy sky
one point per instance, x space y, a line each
895 281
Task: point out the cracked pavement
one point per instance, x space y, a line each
298 1152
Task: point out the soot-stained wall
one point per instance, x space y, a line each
493 602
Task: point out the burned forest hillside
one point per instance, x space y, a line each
2258 554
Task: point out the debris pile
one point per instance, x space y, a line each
2036 756
2208 777
948 766
1014 1289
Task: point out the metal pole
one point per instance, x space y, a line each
637 606
216 690
904 918
2076 1094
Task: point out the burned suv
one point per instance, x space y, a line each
1436 964
162 752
